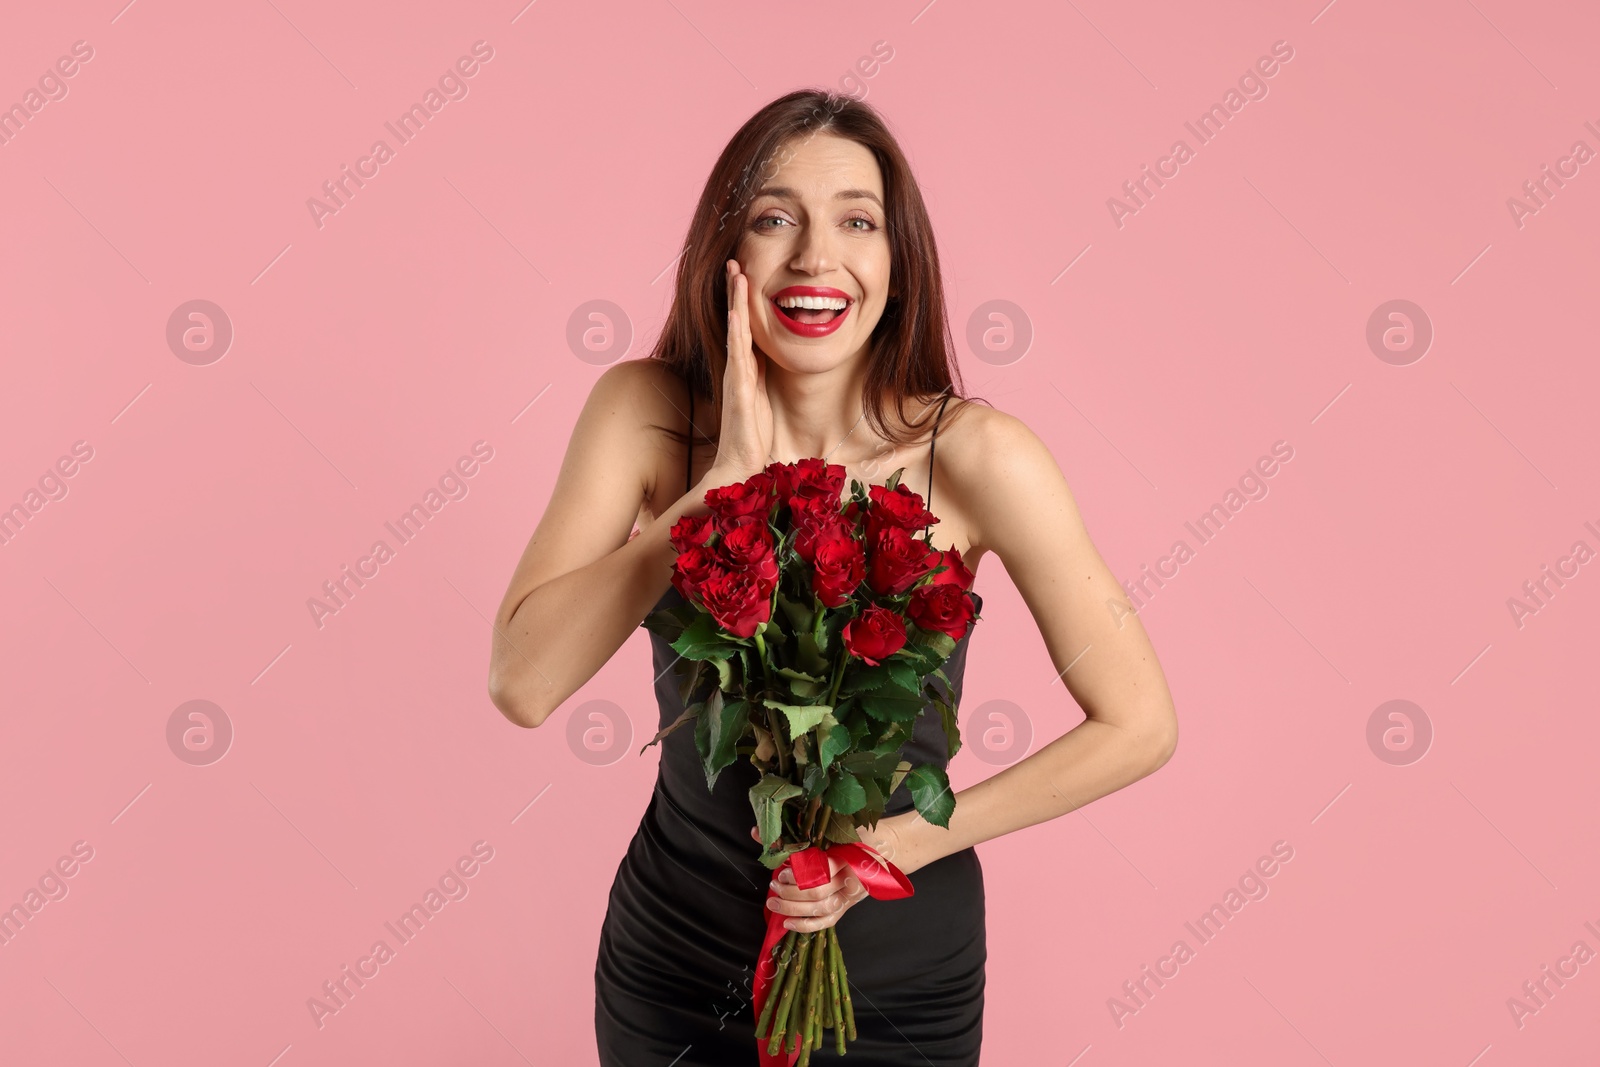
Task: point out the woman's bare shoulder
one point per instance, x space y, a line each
638 398
990 457
972 431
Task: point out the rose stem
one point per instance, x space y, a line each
813 1024
844 984
780 1021
774 727
787 948
822 826
821 1020
838 678
833 999
827 1001
811 815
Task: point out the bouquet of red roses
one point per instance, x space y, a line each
824 622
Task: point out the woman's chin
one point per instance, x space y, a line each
804 358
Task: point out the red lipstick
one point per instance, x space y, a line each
811 329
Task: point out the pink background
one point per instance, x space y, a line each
369 354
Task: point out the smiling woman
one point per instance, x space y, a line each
824 336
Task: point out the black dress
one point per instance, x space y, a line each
686 918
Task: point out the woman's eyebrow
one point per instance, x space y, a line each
843 194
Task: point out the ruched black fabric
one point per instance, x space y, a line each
686 917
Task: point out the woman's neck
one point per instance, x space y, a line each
813 414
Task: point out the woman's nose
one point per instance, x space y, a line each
813 251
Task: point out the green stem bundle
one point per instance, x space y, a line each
809 993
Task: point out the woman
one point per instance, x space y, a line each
827 326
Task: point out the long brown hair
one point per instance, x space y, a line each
911 349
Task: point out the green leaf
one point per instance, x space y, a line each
860 725
846 794
870 764
890 738
952 727
874 805
774 860
799 615
892 703
670 622
833 739
900 772
930 792
802 717
816 779
725 674
689 669
920 660
841 829
704 639
804 685
808 654
860 678
938 644
903 674
726 729
688 713
767 797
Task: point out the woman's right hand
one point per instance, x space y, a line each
746 442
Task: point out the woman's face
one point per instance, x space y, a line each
816 233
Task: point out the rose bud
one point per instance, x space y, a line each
691 530
840 564
941 608
897 507
736 601
957 575
753 496
693 566
897 560
874 635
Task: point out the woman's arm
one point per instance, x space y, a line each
582 587
1027 517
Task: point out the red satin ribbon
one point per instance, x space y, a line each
882 880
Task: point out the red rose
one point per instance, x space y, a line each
736 601
897 507
896 560
874 635
783 477
747 547
753 496
693 566
957 575
692 530
941 607
840 564
810 520
745 537
817 480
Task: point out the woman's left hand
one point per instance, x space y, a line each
810 910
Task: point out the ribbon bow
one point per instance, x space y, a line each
882 880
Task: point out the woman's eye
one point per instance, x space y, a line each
870 225
769 218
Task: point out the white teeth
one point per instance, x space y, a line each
837 303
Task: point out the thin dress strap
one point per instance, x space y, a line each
931 442
688 466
